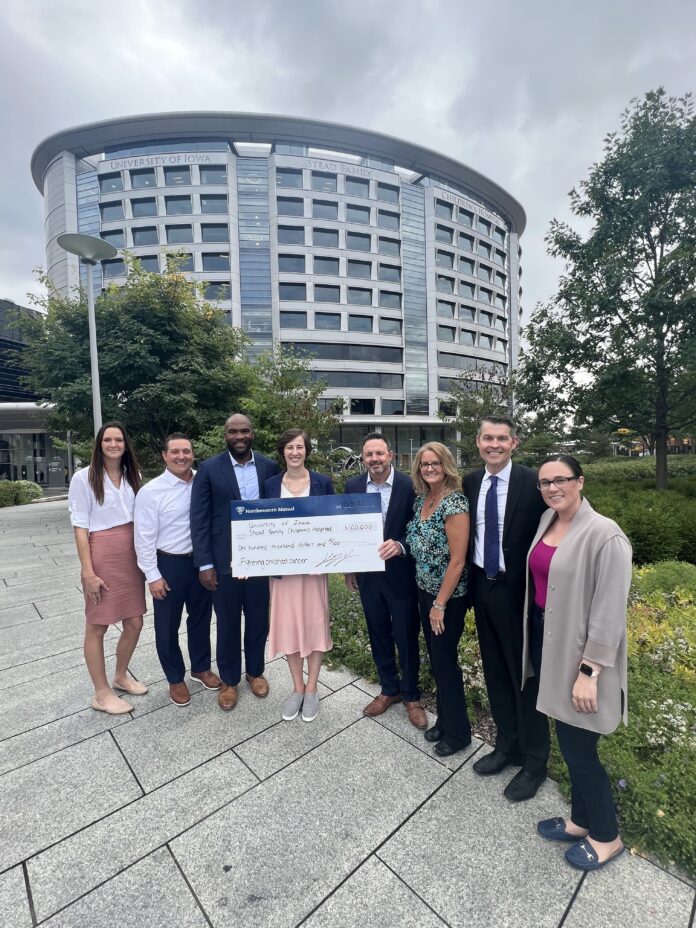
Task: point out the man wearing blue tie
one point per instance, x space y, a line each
506 507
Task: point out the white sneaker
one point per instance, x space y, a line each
292 705
310 707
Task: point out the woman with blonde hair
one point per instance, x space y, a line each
438 537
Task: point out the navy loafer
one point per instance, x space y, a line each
553 829
583 856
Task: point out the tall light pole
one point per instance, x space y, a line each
90 250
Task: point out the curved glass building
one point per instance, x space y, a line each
395 267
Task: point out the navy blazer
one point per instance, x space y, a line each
523 509
399 572
214 487
319 485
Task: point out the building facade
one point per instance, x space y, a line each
394 267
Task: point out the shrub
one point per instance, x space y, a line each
619 468
653 535
8 493
664 577
27 491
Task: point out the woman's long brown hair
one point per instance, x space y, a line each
130 469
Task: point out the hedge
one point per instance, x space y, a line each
652 762
18 492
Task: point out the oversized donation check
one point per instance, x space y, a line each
311 535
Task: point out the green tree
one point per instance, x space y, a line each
167 362
474 395
617 345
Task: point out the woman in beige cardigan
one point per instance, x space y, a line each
578 579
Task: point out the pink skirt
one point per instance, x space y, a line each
299 615
114 560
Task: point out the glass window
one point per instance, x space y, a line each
485 296
388 193
326 294
357 186
467 290
501 345
184 260
499 235
292 263
213 173
325 238
389 326
500 301
484 226
357 241
115 237
467 313
466 242
386 220
217 291
389 300
389 246
466 218
443 210
359 269
499 323
324 209
392 407
485 341
456 361
339 351
323 181
292 291
291 235
445 333
466 266
486 319
484 273
110 183
359 323
149 263
114 268
325 265
443 234
445 284
484 250
467 337
111 212
177 177
359 296
145 235
327 321
390 272
213 203
177 235
143 177
289 320
362 407
499 257
216 261
290 206
500 279
178 206
288 177
444 258
359 214
145 206
215 232
445 309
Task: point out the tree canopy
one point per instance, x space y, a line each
616 347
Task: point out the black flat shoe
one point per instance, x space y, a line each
491 763
523 786
443 749
434 734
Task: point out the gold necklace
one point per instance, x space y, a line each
431 503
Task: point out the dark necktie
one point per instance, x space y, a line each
491 535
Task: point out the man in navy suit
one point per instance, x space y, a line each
237 473
505 507
389 598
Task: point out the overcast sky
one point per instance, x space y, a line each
521 90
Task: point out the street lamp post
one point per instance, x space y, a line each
90 250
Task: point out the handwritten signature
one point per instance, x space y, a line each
332 560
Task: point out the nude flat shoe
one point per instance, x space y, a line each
119 707
132 687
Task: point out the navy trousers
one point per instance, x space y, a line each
392 622
231 597
591 801
184 590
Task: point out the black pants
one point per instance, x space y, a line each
184 590
522 731
233 595
452 714
591 803
392 621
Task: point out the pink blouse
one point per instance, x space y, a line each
539 563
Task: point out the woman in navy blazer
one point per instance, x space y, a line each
300 602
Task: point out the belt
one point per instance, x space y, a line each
167 554
501 575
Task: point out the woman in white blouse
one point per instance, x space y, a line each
101 501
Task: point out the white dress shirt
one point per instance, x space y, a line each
162 521
502 488
86 512
384 490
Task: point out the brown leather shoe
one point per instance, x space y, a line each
258 686
179 694
380 704
227 697
208 679
416 715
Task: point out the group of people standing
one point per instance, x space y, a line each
547 577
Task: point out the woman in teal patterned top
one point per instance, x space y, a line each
438 537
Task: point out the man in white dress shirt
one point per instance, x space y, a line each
165 556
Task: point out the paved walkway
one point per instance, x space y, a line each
194 817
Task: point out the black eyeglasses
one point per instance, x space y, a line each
557 481
434 465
